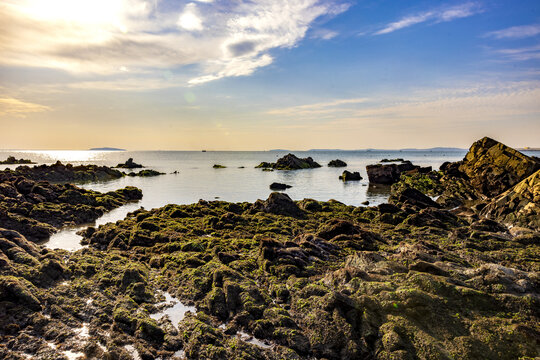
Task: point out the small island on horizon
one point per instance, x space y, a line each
107 149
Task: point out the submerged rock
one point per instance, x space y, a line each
129 164
337 163
290 162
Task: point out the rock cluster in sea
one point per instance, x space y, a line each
11 160
129 164
447 269
290 162
337 163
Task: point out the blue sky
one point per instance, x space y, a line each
239 75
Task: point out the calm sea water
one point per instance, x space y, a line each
196 179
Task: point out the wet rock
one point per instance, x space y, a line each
412 197
337 163
11 160
493 167
290 162
279 186
350 176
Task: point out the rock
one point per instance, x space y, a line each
129 164
290 162
493 167
60 173
388 174
11 160
279 186
146 173
365 202
519 206
350 176
392 160
337 163
413 197
218 166
279 204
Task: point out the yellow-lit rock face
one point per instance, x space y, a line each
520 205
494 167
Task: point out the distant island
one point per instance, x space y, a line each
107 149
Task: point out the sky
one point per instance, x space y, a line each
267 74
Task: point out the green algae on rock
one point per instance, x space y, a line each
11 160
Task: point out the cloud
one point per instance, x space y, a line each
100 37
434 16
474 104
515 32
324 34
11 106
521 54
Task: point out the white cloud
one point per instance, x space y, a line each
317 108
515 32
12 106
189 19
521 54
324 34
435 16
103 36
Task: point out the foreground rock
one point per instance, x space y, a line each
337 163
290 162
129 164
519 206
390 173
11 160
493 167
350 176
38 209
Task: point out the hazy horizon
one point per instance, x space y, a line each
260 75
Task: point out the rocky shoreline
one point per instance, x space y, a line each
447 269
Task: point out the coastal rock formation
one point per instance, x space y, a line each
218 166
129 164
279 204
11 160
350 176
38 209
388 174
290 162
493 168
337 163
145 173
279 186
518 206
60 173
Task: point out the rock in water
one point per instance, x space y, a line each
279 186
390 173
279 204
129 164
337 163
350 176
290 162
493 167
518 206
11 160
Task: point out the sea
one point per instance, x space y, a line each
190 176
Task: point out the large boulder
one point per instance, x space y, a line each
389 173
518 206
350 176
493 167
129 164
279 204
291 162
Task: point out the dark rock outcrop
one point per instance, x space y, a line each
290 162
279 186
11 160
279 204
129 164
337 163
389 173
350 176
